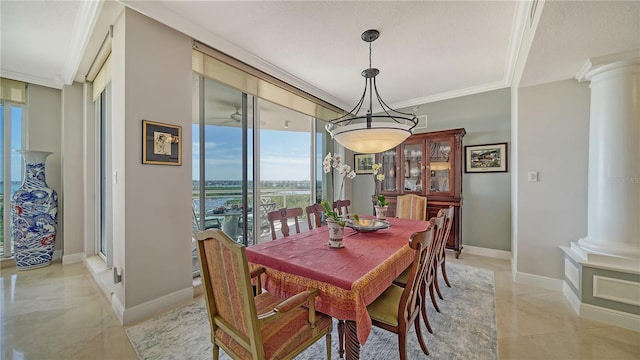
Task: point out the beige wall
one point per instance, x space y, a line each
72 203
152 203
44 134
553 133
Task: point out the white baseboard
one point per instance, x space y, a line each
571 297
150 308
610 316
118 308
72 258
57 254
539 281
603 315
492 253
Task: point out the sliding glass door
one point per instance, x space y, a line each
103 117
222 159
285 161
238 138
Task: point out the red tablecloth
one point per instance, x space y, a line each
349 278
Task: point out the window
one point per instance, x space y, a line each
238 138
103 119
11 122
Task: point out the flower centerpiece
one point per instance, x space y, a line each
379 201
335 222
381 207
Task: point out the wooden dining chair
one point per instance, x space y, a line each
341 206
283 215
440 253
411 207
437 223
397 308
314 216
248 327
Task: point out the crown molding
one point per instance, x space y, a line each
515 41
597 65
31 79
87 16
164 16
451 94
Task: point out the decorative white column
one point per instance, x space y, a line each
614 156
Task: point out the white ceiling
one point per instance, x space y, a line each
427 51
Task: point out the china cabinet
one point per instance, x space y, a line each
427 164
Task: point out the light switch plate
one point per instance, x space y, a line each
532 176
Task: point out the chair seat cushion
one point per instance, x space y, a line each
403 278
289 334
385 307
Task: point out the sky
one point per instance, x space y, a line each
284 155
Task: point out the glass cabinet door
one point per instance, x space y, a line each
389 161
440 166
413 167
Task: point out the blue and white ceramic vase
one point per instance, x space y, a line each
34 214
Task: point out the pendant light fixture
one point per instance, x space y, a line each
369 133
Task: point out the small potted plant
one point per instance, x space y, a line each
335 223
381 207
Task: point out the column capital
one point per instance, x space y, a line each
601 64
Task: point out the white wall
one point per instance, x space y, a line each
553 135
44 134
152 203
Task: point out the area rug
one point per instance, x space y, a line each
465 329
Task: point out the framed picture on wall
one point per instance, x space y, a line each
161 144
486 158
363 163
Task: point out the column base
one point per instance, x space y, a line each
586 255
610 249
602 287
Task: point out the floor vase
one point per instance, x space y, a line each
34 214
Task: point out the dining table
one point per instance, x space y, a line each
348 278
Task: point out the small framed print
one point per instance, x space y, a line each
486 158
363 163
161 143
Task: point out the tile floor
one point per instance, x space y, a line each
58 312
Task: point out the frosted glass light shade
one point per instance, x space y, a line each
378 138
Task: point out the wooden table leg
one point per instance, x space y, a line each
352 345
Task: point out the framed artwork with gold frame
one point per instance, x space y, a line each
363 163
161 143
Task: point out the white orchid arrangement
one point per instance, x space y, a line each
376 172
331 163
378 176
